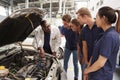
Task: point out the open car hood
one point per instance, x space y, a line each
19 25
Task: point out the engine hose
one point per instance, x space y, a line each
45 73
14 76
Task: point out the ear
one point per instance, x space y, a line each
85 16
105 18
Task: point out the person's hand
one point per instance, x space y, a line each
85 77
86 74
86 71
54 54
42 53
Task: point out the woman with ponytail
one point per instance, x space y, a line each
118 22
103 60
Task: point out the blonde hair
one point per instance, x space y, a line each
84 11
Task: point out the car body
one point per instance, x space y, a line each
23 62
118 59
60 52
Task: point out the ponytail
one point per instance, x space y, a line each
118 22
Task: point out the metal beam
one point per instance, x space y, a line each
60 7
11 5
81 0
64 7
7 2
26 3
4 3
50 10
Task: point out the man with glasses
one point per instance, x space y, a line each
47 39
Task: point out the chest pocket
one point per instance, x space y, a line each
54 38
53 35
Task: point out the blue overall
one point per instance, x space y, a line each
107 46
70 47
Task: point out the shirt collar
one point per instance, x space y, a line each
94 25
110 29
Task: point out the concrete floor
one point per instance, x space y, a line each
116 75
70 73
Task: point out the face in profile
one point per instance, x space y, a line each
80 19
73 27
98 20
66 24
46 28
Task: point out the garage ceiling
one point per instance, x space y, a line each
6 3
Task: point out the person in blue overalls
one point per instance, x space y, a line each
89 34
71 45
105 50
76 27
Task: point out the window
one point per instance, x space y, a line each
101 2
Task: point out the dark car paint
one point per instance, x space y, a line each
19 25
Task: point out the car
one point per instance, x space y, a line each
118 60
60 52
23 62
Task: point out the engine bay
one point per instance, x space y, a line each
25 64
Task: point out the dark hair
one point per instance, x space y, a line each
75 22
109 13
118 22
43 23
66 18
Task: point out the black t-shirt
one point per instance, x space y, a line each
90 35
71 38
46 46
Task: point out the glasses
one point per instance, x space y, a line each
47 26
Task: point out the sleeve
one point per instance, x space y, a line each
106 47
57 42
37 41
83 34
62 30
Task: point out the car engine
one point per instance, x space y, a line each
18 63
